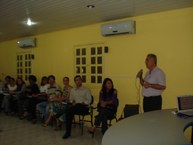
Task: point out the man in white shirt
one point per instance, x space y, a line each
80 98
153 84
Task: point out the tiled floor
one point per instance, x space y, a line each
21 132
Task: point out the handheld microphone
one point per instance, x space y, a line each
139 74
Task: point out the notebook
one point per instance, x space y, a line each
185 105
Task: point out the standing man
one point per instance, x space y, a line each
80 98
152 85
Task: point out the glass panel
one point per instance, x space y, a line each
18 64
26 77
99 79
93 61
84 60
21 57
29 56
18 57
26 71
21 71
83 69
83 79
93 52
18 71
93 70
77 52
26 57
99 50
84 51
29 70
26 63
93 79
99 69
99 60
77 70
21 64
78 60
29 63
32 56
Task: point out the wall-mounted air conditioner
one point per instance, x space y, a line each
121 27
27 42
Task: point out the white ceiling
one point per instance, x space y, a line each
52 15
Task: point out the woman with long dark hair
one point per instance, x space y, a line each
107 105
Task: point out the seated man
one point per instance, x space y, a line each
80 98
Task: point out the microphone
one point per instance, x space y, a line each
139 74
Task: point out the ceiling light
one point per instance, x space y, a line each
29 23
90 6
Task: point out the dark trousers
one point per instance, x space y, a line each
13 106
78 109
104 115
152 103
32 106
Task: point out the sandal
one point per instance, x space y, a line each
44 125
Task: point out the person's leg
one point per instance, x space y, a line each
7 103
152 103
147 104
41 108
69 116
157 103
20 107
47 120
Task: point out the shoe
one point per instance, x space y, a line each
33 121
66 136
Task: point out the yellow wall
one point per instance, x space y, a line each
167 34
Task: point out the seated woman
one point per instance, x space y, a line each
12 86
17 95
60 114
57 107
107 106
51 90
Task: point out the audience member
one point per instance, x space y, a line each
16 95
60 113
80 98
7 96
107 106
52 90
31 90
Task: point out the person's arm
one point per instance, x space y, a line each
113 100
23 88
154 86
88 97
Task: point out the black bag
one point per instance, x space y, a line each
130 110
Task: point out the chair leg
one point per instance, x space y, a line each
82 124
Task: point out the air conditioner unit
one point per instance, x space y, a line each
121 27
27 42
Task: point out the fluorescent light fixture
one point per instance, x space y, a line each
29 22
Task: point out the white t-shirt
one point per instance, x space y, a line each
12 88
156 76
44 89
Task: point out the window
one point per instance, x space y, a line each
89 63
24 65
